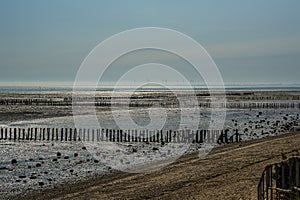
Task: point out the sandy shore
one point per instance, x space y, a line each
228 172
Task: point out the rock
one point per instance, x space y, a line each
29 167
38 165
54 159
32 177
83 148
58 154
14 161
155 149
75 155
96 161
3 168
22 176
71 170
41 183
49 179
66 157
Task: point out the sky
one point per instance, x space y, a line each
251 42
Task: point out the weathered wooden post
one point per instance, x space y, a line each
201 136
10 134
80 134
110 135
121 135
66 134
237 136
56 134
70 133
44 134
48 134
61 134
5 134
75 134
113 134
118 135
226 136
15 133
31 133
35 133
53 134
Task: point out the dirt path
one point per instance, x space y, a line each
228 172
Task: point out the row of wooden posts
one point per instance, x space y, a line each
113 135
63 102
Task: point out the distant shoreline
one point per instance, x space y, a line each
150 88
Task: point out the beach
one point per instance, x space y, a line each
228 172
45 168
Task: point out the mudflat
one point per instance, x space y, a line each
228 172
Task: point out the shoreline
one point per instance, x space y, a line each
116 184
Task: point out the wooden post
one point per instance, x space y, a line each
80 134
5 134
35 133
201 136
75 134
237 137
121 135
48 134
43 134
56 134
15 133
70 133
31 133
53 134
66 134
61 134
10 137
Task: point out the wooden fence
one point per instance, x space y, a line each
106 102
280 181
115 135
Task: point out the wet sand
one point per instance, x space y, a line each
228 172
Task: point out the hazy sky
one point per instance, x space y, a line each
250 41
